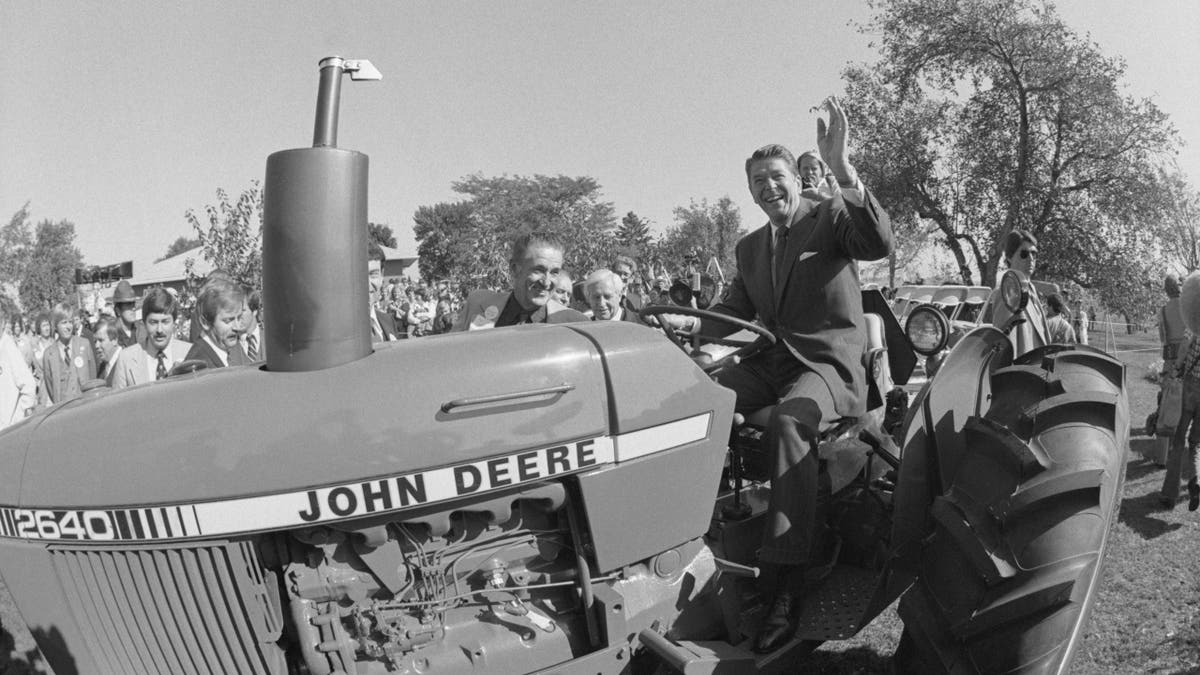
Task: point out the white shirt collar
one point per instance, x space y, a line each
221 353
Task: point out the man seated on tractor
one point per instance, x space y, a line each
797 274
537 259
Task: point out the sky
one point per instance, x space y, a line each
119 116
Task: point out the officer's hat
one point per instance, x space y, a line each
123 293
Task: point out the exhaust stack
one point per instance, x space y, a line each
315 241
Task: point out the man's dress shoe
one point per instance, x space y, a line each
779 625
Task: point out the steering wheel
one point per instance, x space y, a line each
185 367
745 347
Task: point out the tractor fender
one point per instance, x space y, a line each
958 390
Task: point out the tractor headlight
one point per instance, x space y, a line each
927 329
1014 290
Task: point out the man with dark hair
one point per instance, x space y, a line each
798 276
626 268
220 308
215 276
106 346
1057 325
536 261
1020 253
153 358
252 337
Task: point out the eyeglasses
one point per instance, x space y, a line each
1028 253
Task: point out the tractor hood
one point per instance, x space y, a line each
409 406
239 431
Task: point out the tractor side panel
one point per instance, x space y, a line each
628 516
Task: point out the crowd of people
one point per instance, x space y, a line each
57 355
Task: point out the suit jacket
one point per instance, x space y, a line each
127 340
387 323
203 351
483 307
61 381
816 307
132 364
260 339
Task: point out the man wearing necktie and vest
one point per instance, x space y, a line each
68 362
153 357
797 275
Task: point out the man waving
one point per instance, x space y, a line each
798 276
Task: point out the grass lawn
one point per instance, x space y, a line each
1146 619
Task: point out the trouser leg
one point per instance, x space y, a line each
791 438
1178 454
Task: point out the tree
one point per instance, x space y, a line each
709 230
469 240
180 245
381 235
448 246
16 243
1173 205
984 116
634 233
232 239
50 272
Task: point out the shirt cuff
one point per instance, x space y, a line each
854 194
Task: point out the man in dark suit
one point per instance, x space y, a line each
220 308
798 276
536 261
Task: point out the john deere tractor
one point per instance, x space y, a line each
542 498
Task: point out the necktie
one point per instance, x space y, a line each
252 347
777 267
161 372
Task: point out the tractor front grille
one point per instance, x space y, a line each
202 608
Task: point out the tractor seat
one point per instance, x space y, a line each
879 376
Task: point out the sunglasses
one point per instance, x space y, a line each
1028 253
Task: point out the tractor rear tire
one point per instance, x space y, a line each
1009 576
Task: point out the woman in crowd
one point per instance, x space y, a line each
22 338
1057 323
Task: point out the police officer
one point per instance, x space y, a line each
125 305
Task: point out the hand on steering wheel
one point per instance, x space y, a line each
745 348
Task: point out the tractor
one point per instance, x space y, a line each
571 498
